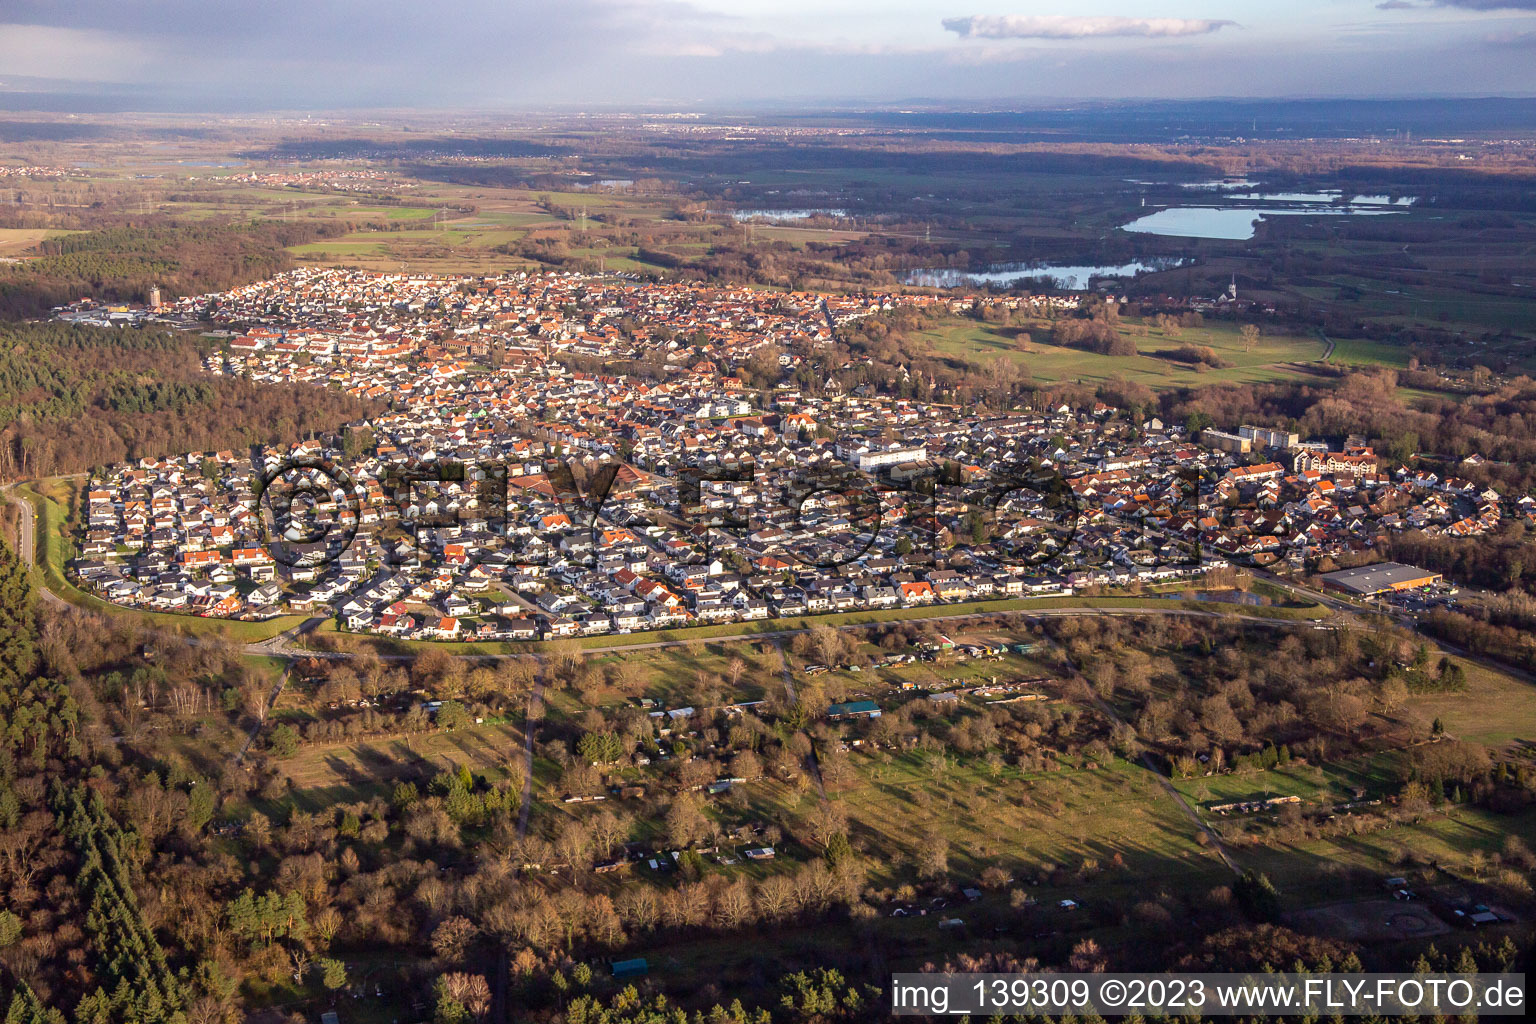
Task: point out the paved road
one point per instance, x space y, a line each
26 525
1406 619
285 645
1328 352
282 645
26 541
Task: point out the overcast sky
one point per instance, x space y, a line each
202 54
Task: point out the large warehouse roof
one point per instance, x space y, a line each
1379 578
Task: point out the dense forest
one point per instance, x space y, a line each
73 397
124 263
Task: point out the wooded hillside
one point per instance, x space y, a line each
124 263
73 397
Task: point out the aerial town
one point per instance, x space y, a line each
666 564
620 512
592 503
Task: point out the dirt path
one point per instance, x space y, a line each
789 686
535 701
277 691
1146 760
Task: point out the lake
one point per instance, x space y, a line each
1328 196
1072 278
1234 222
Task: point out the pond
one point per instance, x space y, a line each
1070 277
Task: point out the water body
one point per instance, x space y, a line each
1233 222
1072 278
1219 185
1327 196
782 216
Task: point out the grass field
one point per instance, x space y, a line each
326 774
1452 308
671 674
1274 357
1361 352
1495 709
1332 868
1020 821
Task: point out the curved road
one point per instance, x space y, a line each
26 541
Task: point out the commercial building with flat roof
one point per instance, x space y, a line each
1381 578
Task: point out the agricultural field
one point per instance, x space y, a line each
505 821
18 242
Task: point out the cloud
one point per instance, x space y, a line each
1056 26
332 53
1466 5
1489 5
480 55
1520 40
